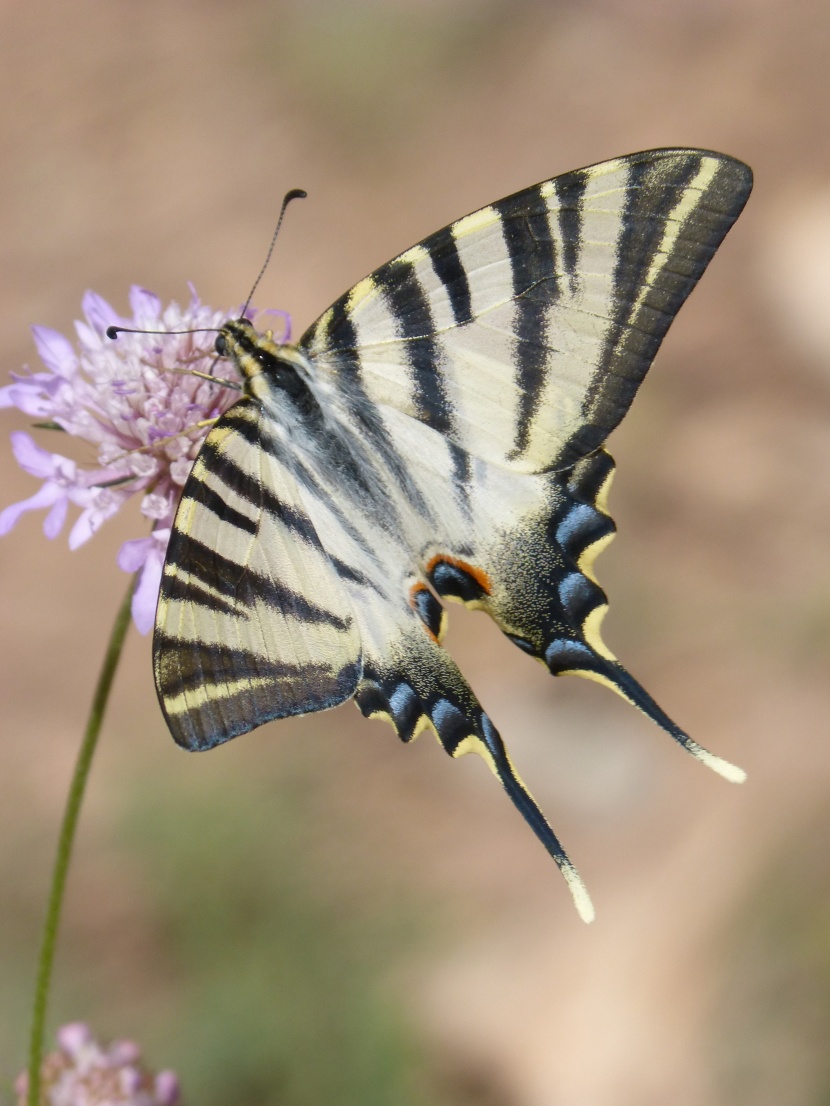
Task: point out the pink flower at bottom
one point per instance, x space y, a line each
83 1072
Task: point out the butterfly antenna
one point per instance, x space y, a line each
294 194
114 331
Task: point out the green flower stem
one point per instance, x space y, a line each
67 837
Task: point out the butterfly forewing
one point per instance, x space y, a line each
253 622
522 331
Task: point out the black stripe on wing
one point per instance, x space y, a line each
178 590
449 268
648 204
408 303
340 332
358 456
569 190
241 583
241 483
230 691
219 665
206 496
657 182
462 476
530 246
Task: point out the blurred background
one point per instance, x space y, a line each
314 914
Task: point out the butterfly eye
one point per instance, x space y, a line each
221 345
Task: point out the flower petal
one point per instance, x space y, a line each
180 470
44 497
145 596
98 312
89 337
104 506
145 306
83 1071
28 396
125 1052
156 506
167 1088
74 1037
53 523
32 457
143 422
286 322
133 554
56 352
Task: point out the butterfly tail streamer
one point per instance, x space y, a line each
491 747
582 529
611 673
446 705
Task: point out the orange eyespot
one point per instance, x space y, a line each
458 579
428 609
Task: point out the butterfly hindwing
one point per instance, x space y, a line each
522 331
253 622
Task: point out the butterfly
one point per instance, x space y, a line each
437 434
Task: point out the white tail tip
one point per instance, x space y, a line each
723 768
579 892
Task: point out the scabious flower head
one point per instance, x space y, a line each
83 1072
144 420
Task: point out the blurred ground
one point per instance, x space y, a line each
315 914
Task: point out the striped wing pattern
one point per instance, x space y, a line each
254 623
522 331
436 435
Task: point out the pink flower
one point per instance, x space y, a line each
84 1072
133 401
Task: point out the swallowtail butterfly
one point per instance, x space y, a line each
437 434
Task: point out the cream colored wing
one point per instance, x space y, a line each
253 622
522 331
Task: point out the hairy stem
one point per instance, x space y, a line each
66 839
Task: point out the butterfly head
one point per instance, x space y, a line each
267 367
239 341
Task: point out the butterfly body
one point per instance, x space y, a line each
436 435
